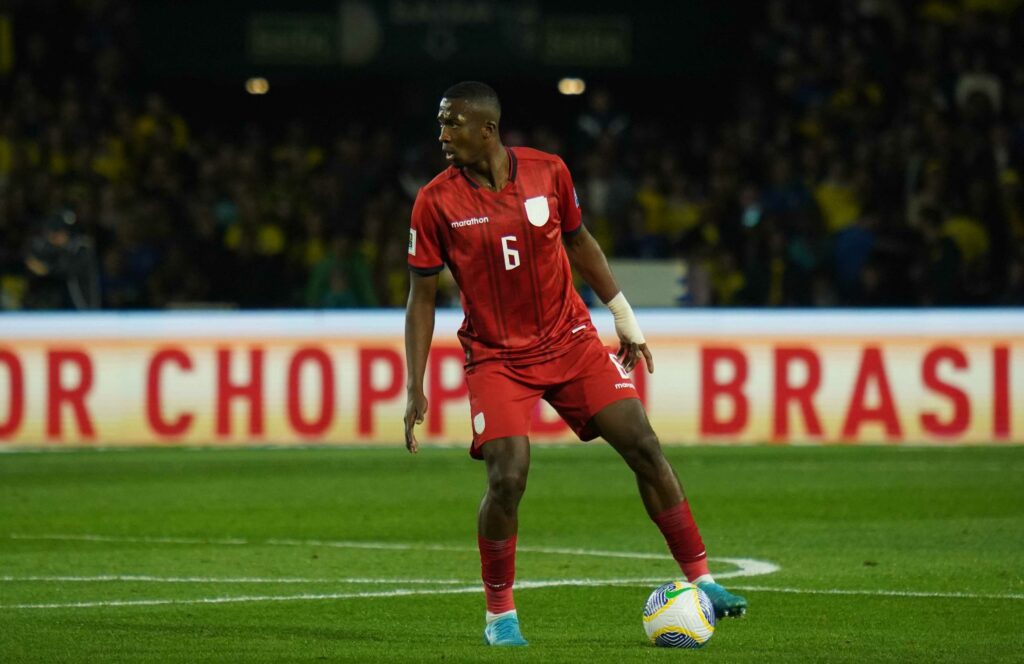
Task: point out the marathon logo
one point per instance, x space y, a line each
624 386
470 222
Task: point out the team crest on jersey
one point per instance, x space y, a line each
412 241
537 210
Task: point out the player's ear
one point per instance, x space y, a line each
490 128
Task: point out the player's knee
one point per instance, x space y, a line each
508 487
645 457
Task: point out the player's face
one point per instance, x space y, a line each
461 137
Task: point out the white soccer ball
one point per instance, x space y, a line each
679 615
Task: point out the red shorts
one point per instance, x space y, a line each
578 385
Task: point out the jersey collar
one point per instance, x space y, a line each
513 169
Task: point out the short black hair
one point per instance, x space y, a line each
475 92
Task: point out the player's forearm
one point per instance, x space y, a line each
419 330
590 262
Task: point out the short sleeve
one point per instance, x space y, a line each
424 243
568 201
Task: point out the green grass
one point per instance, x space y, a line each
871 519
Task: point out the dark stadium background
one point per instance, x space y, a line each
815 207
791 153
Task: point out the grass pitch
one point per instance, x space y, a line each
368 555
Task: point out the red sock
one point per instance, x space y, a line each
683 538
498 569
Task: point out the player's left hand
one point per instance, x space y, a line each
630 353
415 410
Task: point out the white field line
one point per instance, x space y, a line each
881 593
105 578
522 585
245 598
476 588
745 566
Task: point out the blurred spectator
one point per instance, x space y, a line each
851 255
342 278
600 123
727 281
874 157
64 264
1013 294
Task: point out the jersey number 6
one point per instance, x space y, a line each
511 255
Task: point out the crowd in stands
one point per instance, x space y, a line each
874 157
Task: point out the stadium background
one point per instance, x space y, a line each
816 208
793 162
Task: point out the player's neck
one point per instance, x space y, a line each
492 172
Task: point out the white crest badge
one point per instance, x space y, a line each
537 210
412 241
478 423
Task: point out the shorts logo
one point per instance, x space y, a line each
537 210
412 241
625 386
618 365
478 423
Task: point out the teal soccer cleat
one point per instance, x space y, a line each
726 604
504 632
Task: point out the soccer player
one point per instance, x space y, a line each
507 223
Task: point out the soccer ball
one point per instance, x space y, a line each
679 615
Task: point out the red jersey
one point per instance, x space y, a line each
505 251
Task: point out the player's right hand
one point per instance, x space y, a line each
415 409
630 354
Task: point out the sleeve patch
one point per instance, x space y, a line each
412 241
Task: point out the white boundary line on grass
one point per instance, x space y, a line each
744 566
245 598
107 578
881 593
523 585
399 592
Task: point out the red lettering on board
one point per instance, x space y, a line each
872 369
322 422
1001 392
732 390
369 358
961 416
785 392
154 393
251 392
16 390
71 395
439 394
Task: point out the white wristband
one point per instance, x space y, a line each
625 322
